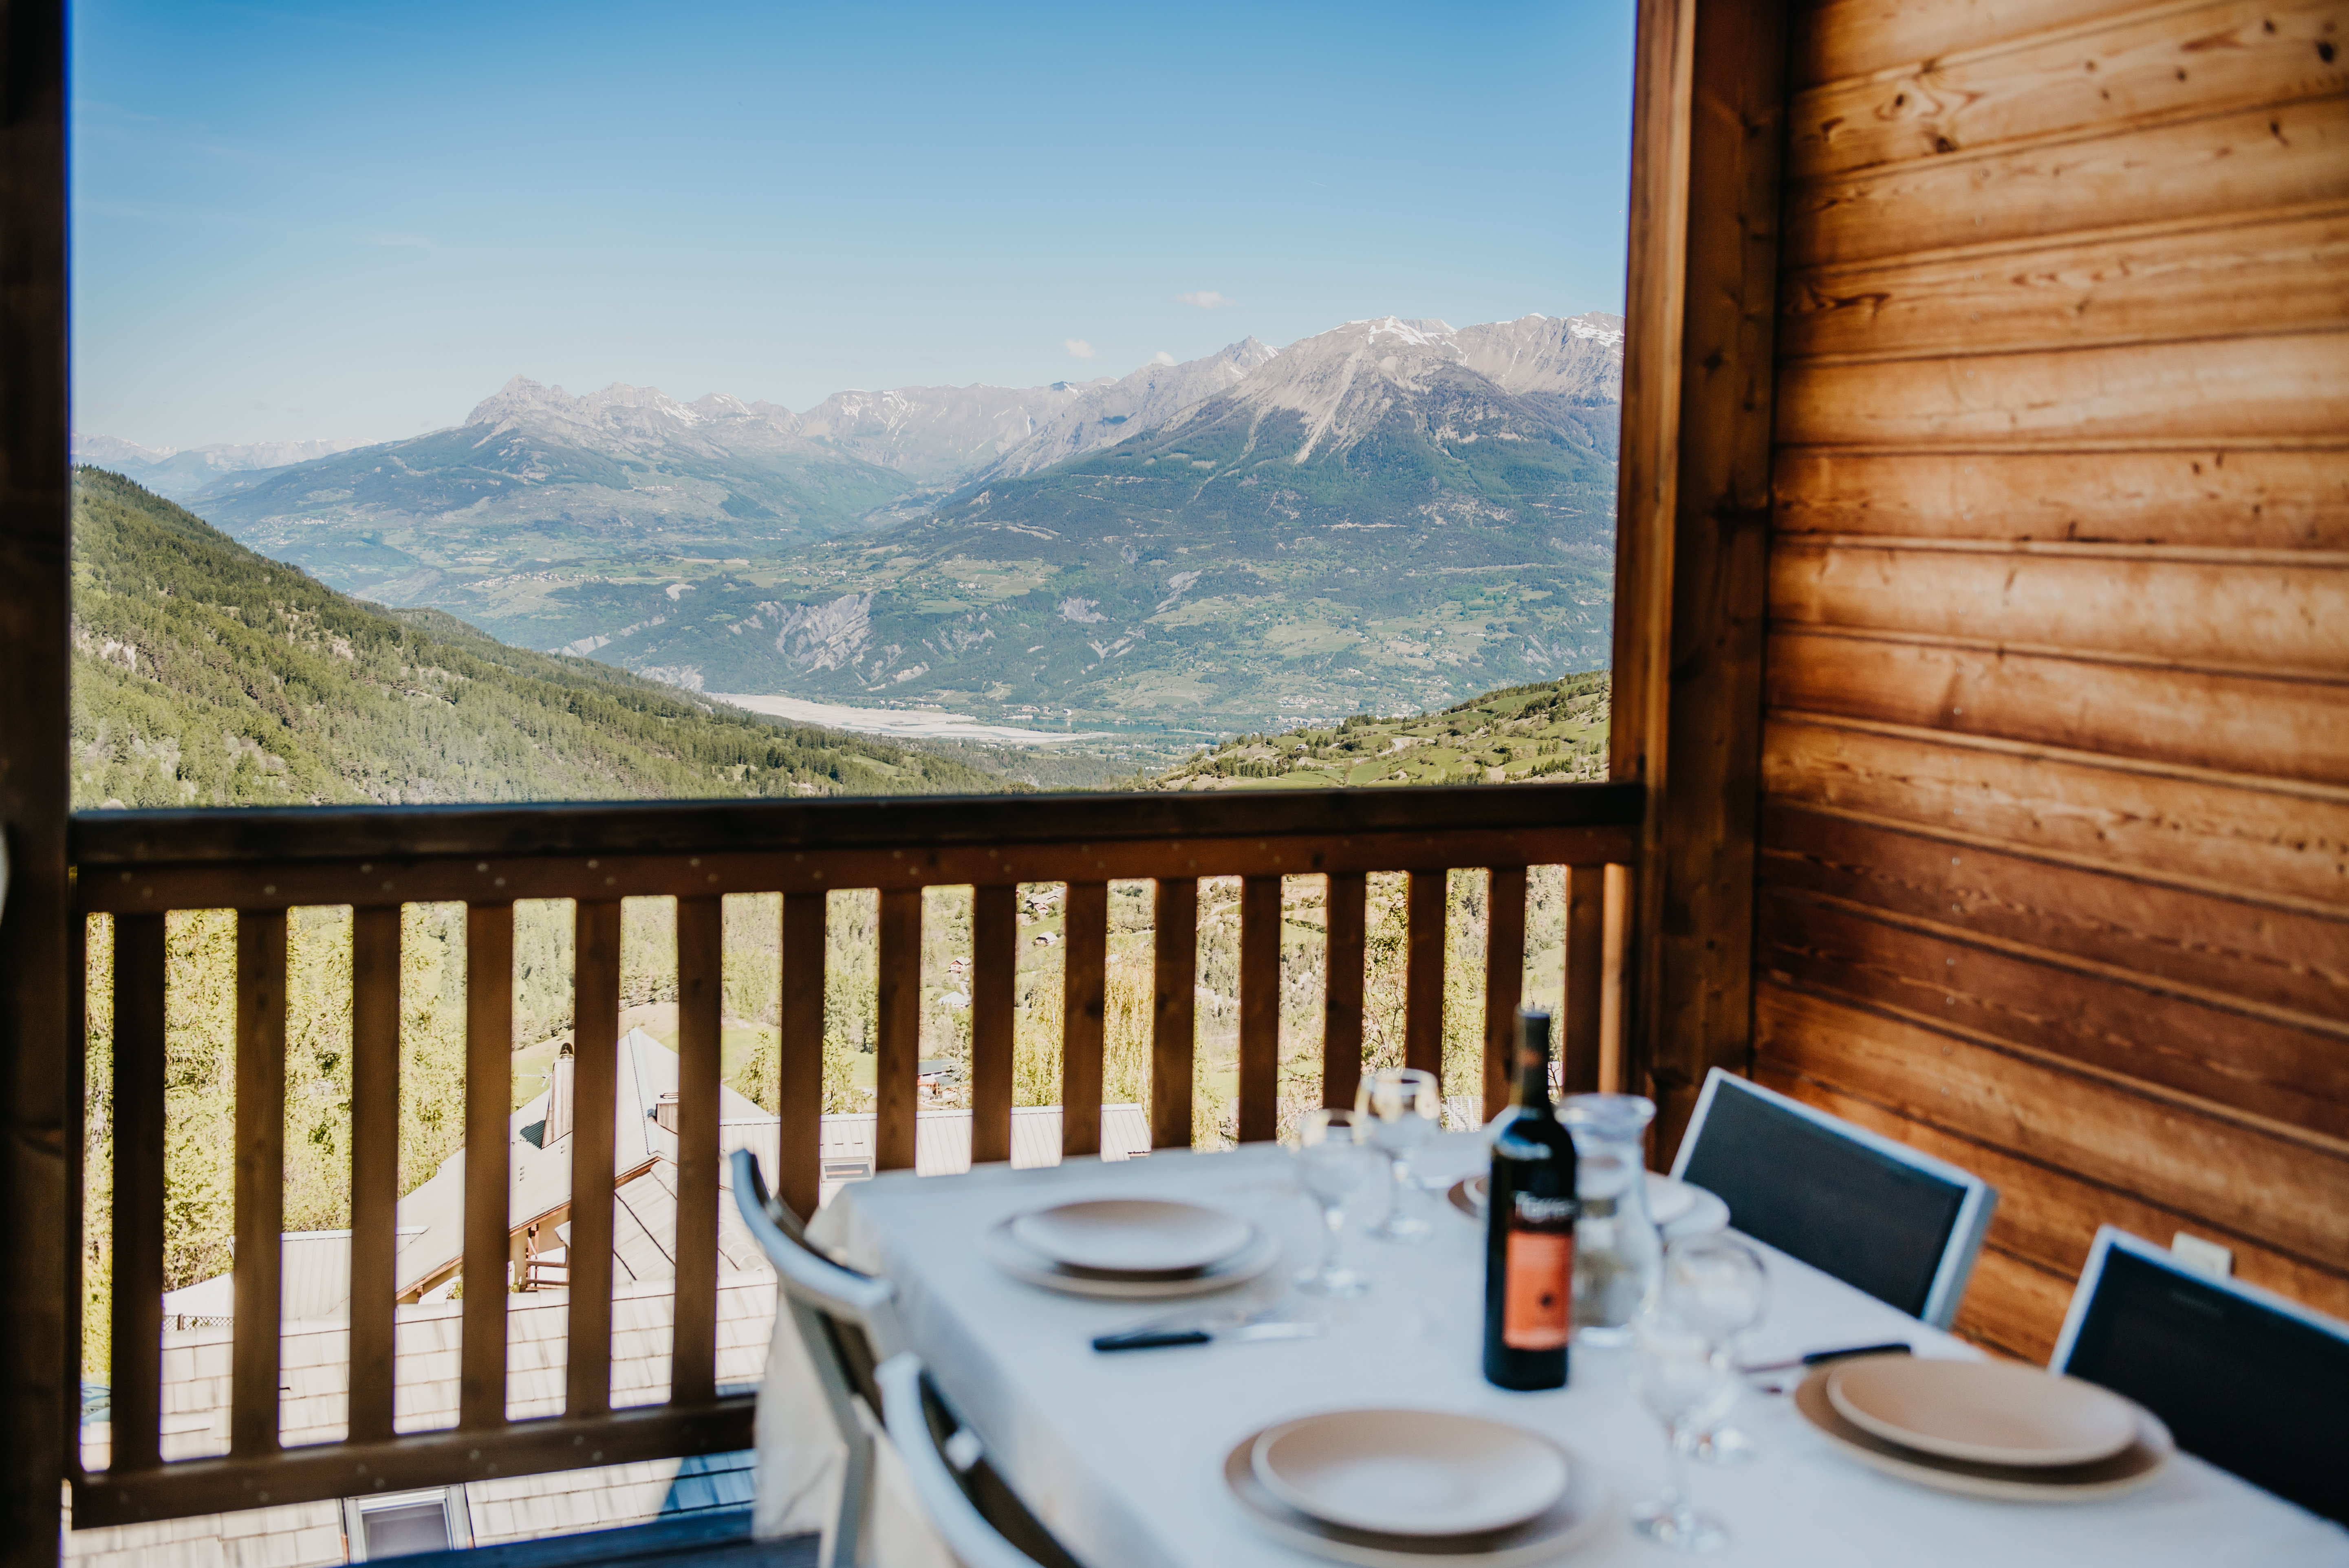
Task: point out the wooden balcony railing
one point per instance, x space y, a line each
137 866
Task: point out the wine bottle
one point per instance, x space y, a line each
1529 1237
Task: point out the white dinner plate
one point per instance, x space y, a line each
1583 1512
2125 1472
1668 1199
1988 1412
1015 1258
1142 1236
1409 1473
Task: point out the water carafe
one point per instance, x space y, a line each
1617 1252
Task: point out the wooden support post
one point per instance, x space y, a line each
1423 1006
489 1102
994 972
700 990
375 1168
1173 1003
798 1144
1084 932
260 1181
1504 979
135 1373
1260 1008
1342 991
898 1061
1586 940
594 1113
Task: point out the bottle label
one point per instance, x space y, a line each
1538 1309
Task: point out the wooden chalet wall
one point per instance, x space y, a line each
2053 856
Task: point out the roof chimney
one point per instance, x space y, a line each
558 1097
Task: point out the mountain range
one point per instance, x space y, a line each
1388 514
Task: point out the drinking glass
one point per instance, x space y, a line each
1333 1164
1719 1286
1397 1109
1676 1377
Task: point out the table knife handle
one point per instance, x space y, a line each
1820 1357
1151 1339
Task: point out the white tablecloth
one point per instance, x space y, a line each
1121 1455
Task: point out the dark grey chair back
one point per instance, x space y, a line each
1879 1215
2247 1380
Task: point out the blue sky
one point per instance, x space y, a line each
358 221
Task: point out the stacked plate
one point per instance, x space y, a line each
1986 1428
1678 1209
1130 1248
1416 1489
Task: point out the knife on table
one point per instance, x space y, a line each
1820 1357
1239 1334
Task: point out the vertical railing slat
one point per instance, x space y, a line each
1174 1005
1586 940
260 1166
1504 979
1260 1008
798 1155
700 989
1423 1006
994 967
489 1101
1342 992
595 1089
375 1169
136 1357
1084 933
897 1067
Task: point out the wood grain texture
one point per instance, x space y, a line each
260 1167
1341 989
2050 1216
1259 1031
2288 385
799 1150
2028 997
595 1092
1174 1007
897 1056
1581 1021
2243 617
700 1000
2153 63
2278 728
994 959
135 1360
1425 945
489 1101
2288 273
2014 1306
2222 834
1083 1009
375 1167
2207 496
2281 958
2290 1194
1505 980
1837 39
2231 164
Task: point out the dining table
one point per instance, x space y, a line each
1121 1456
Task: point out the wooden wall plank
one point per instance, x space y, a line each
2230 164
2289 273
1341 988
2014 1306
260 1166
2186 497
897 1054
2298 1076
2292 1193
1173 1007
2281 958
1259 1032
2282 728
798 1155
2257 617
375 1168
1837 39
2285 386
1084 1003
489 1103
595 1096
994 959
2222 834
2147 64
701 996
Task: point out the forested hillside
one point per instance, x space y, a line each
207 675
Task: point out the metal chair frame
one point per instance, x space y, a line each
932 1467
1964 1245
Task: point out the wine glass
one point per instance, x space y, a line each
1397 1108
1332 1164
1719 1286
1677 1377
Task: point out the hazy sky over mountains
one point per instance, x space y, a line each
306 221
